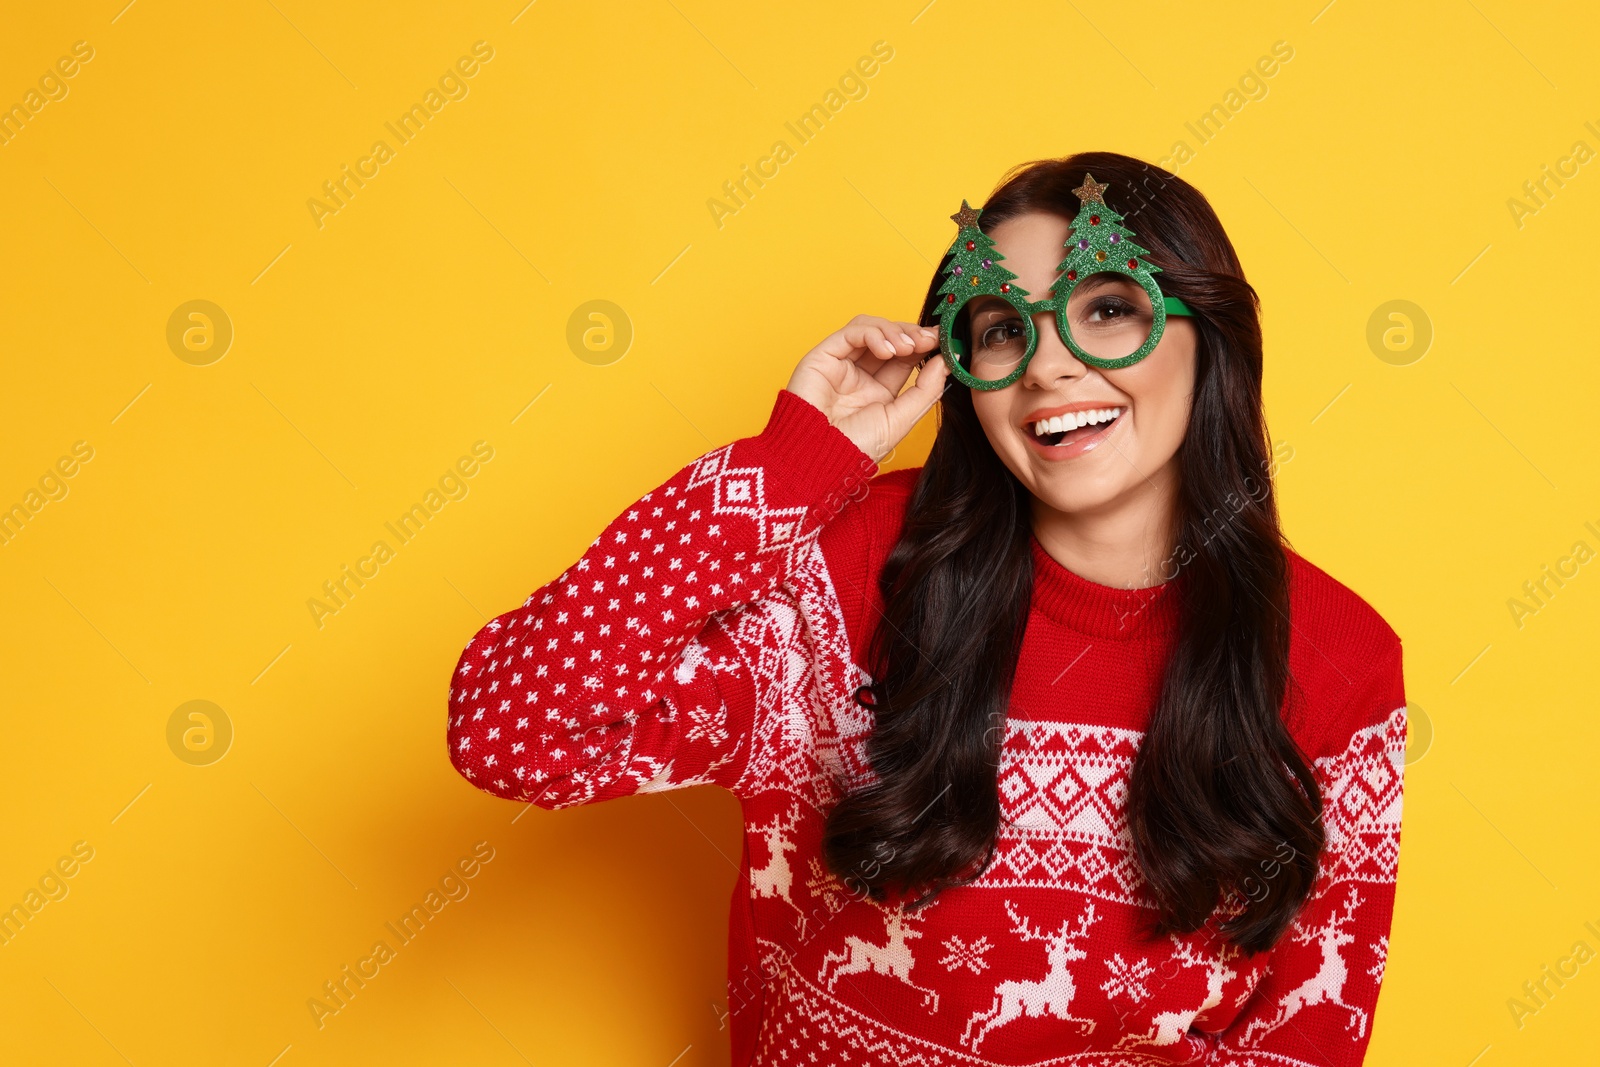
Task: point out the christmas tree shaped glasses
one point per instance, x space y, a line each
1108 308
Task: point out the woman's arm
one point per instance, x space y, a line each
641 666
1315 1003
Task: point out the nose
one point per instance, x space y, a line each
1052 360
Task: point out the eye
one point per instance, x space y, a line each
1001 334
1108 309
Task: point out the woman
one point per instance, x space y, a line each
1050 746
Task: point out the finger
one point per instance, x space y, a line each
872 334
876 338
912 342
847 342
924 342
898 333
905 410
893 373
922 337
902 335
922 347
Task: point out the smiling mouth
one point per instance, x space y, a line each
1075 426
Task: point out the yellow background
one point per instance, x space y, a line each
431 310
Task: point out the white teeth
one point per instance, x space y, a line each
1073 420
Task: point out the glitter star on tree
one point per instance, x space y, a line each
976 269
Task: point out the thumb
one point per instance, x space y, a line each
905 410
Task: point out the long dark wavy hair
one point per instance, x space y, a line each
1222 803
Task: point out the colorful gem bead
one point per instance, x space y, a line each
976 280
956 269
971 245
1072 275
950 298
1100 257
1005 287
988 263
1133 264
1114 238
1094 220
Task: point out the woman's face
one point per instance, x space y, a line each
1099 465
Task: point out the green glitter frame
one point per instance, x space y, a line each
1097 244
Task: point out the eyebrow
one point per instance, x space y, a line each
1101 278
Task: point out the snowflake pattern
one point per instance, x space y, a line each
961 954
708 726
1127 979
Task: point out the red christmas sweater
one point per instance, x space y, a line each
714 633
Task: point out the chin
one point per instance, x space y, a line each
1069 491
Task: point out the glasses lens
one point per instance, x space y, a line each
999 337
1109 315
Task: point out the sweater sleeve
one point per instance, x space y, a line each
640 667
1315 1000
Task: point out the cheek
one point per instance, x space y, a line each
1161 388
1163 404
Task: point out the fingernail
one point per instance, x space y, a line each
906 337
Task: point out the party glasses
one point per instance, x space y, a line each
1108 309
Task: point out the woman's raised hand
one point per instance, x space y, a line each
855 377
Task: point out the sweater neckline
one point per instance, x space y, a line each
1103 611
